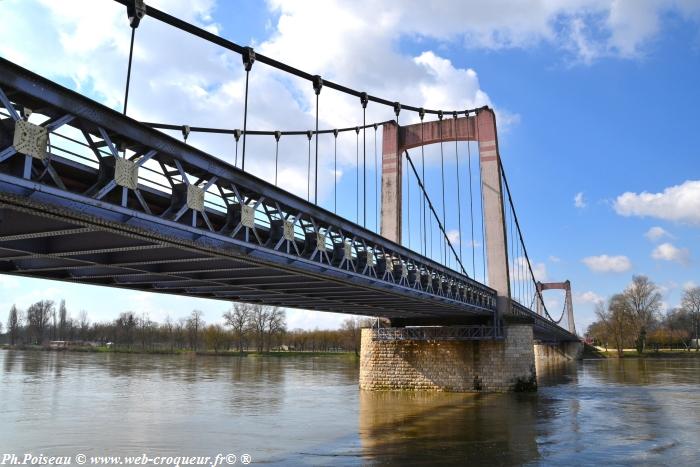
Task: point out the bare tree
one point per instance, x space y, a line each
62 320
145 328
352 328
38 318
124 326
84 324
617 319
195 324
691 304
169 331
54 324
238 319
644 302
276 324
13 324
181 333
215 337
258 324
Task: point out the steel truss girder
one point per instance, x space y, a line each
182 164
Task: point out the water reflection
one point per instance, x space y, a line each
309 411
425 428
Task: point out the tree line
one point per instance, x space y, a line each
633 318
244 327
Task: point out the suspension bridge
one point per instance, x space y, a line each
90 195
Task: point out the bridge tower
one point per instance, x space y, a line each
505 362
568 303
480 128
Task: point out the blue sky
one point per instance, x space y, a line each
596 102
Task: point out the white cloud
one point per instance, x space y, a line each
666 288
657 233
309 319
538 269
689 285
605 263
553 304
586 29
579 200
680 203
554 259
669 252
453 236
590 297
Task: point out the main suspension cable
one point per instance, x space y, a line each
227 131
232 46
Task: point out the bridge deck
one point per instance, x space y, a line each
191 224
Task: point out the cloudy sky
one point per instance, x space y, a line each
596 100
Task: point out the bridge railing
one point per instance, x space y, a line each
543 325
437 333
147 173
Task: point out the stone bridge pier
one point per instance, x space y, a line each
402 359
489 365
553 353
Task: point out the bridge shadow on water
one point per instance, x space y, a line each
425 428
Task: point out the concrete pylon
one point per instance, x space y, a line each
481 128
568 302
392 177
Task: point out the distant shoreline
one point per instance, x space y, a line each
223 353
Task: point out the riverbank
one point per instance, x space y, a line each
200 353
632 353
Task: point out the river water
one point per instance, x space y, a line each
309 411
